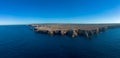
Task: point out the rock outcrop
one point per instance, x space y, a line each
73 30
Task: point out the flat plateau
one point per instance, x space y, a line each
73 30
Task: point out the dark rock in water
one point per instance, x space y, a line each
73 30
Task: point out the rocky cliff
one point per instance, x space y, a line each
73 30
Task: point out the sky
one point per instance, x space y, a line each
59 11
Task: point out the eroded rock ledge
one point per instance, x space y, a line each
73 30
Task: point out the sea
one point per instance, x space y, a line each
20 41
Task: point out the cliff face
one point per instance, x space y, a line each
73 30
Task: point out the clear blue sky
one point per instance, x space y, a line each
59 11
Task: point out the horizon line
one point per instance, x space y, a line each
57 23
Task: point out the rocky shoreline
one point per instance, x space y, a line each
73 30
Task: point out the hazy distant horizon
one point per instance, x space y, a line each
58 23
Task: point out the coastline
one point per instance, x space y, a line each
73 30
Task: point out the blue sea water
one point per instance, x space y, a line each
19 41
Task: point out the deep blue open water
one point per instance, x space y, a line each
19 41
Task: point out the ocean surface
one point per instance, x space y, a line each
19 41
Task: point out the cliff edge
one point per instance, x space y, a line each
73 30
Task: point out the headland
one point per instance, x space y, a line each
73 30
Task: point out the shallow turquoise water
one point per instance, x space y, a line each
18 41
